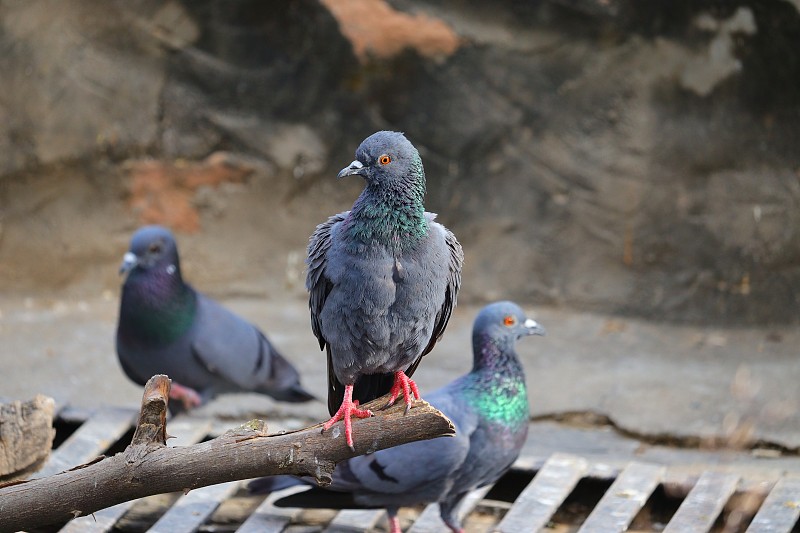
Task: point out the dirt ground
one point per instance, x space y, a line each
686 385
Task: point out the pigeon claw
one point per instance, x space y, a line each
186 395
394 525
407 386
349 408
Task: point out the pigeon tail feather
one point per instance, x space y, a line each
268 484
294 394
317 498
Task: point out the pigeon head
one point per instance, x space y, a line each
385 158
505 320
390 209
156 306
152 247
496 329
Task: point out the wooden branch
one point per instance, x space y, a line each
148 467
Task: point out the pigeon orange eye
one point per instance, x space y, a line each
154 248
509 321
385 160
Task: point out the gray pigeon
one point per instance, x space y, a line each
166 327
489 407
382 280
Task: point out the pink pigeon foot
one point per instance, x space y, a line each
347 409
187 396
409 388
394 525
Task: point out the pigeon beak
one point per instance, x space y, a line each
533 328
356 167
129 260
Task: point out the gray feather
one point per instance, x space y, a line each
166 327
381 293
489 408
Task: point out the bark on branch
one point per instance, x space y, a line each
148 467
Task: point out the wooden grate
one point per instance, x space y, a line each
539 494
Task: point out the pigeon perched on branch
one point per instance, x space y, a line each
382 280
166 327
489 408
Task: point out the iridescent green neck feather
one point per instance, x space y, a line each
156 308
504 402
391 212
498 388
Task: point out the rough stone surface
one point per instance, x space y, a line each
638 158
376 30
78 78
163 193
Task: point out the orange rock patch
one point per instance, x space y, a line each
161 192
375 29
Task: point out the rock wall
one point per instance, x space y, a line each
629 157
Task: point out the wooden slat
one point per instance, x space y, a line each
704 503
781 509
192 510
270 519
430 521
100 521
626 496
350 520
89 441
544 494
528 463
186 432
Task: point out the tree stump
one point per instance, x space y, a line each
26 436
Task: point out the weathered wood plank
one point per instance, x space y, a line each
626 496
27 435
781 509
99 522
270 519
429 520
704 503
544 494
351 520
90 440
186 432
192 510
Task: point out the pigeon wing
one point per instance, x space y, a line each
415 466
456 255
317 282
229 347
319 287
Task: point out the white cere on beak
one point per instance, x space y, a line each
171 269
530 324
356 164
129 258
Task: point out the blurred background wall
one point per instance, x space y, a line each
630 157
